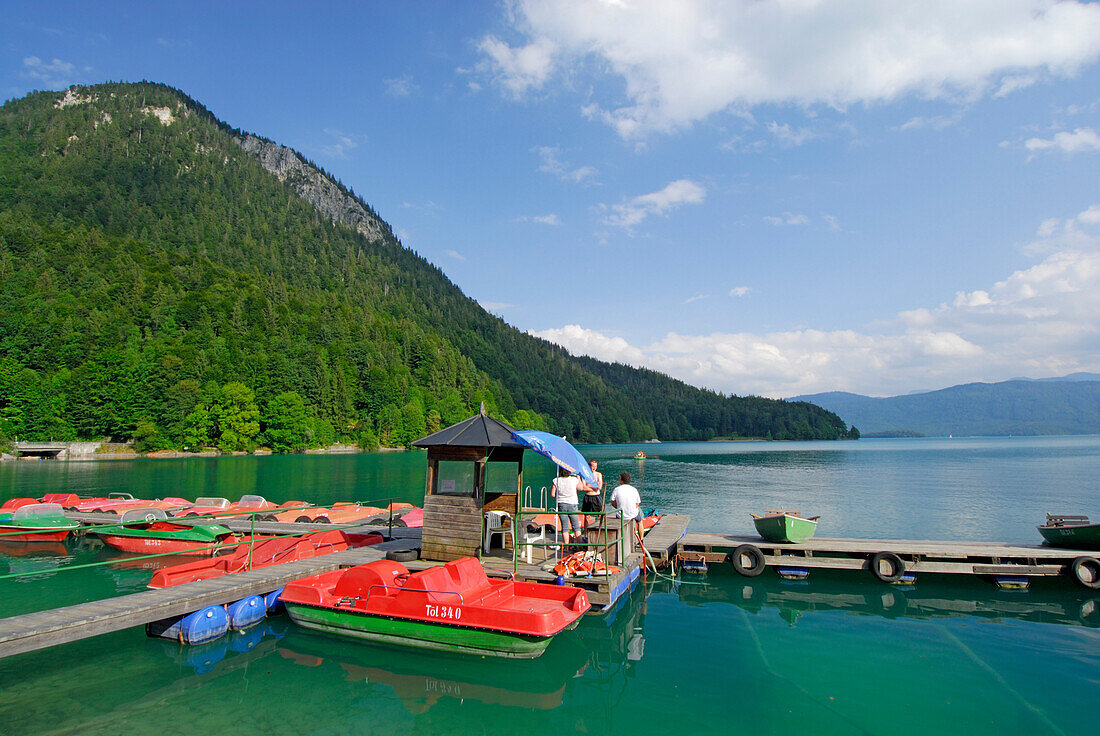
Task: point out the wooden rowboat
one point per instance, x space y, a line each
782 525
1074 532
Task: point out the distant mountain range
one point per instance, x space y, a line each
1021 406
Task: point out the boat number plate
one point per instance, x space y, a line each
447 612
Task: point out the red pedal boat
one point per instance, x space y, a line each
453 608
264 551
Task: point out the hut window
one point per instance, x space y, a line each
456 478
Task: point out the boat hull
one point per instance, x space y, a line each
1084 536
423 635
151 545
46 535
785 528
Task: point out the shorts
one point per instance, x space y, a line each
574 518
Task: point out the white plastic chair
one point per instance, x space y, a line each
497 522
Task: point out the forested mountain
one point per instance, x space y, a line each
166 278
1069 405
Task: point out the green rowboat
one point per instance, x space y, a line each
1074 532
781 525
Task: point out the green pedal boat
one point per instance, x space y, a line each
453 608
781 525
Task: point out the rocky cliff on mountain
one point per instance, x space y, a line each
313 186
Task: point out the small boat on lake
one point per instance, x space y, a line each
454 607
1074 532
782 525
39 522
148 531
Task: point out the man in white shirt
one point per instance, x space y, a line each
627 499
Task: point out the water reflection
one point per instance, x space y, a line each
601 651
933 597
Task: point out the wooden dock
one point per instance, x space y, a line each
916 556
61 625
662 541
43 629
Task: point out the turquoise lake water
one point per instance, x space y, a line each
837 654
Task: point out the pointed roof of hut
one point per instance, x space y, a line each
480 430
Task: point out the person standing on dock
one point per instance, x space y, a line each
627 499
564 489
593 497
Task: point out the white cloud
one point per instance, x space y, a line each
696 298
400 86
788 137
680 62
832 222
936 122
1013 83
580 341
341 143
455 255
788 218
1041 320
518 69
53 73
1081 139
551 219
495 307
1091 216
740 291
552 164
682 191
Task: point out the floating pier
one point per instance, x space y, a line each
62 625
890 560
42 629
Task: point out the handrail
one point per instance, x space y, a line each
606 544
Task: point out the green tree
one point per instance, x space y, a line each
287 423
236 416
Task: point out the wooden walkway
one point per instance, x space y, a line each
661 542
32 631
967 558
61 625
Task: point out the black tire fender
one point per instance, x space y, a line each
897 567
1086 571
748 560
402 555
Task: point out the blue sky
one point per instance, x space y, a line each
757 197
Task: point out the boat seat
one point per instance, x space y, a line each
134 516
374 578
460 581
1066 520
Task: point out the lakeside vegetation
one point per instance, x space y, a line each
158 284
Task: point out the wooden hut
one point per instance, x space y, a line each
456 498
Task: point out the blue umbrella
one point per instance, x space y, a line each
558 450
